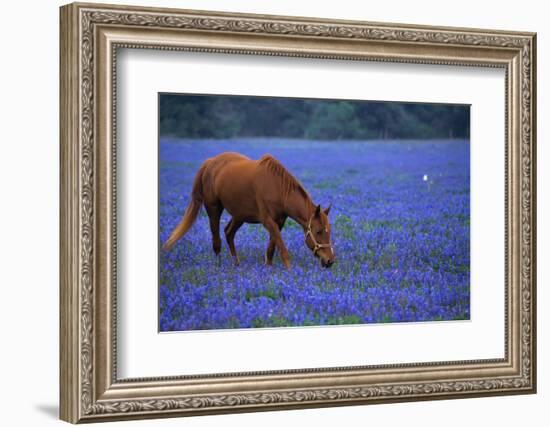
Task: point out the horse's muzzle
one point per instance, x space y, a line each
328 263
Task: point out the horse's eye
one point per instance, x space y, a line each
319 232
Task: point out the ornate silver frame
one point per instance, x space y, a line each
90 36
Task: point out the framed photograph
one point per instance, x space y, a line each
266 212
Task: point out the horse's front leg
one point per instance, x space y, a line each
270 251
275 240
272 244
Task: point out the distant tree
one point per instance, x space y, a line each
334 120
222 116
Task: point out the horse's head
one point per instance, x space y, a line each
318 236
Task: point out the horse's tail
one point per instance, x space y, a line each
190 213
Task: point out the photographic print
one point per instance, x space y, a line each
281 212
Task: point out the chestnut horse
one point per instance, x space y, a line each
255 191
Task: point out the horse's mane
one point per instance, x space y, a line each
288 182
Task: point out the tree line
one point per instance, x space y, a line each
224 116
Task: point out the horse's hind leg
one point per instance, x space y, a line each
230 231
214 214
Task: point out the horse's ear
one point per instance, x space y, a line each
318 211
327 210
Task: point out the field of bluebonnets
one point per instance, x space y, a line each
400 227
